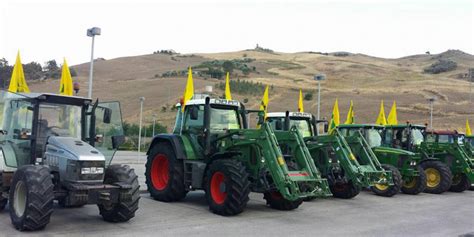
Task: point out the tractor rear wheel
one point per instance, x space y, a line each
460 183
415 184
126 208
276 201
3 200
386 190
31 197
165 174
227 187
438 176
344 190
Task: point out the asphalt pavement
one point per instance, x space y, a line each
448 214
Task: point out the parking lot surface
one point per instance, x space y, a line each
449 214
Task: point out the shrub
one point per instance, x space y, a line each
308 96
440 66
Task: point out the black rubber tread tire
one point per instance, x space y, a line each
446 176
392 189
462 186
3 201
125 209
471 188
62 204
39 197
175 190
237 187
281 203
345 190
420 183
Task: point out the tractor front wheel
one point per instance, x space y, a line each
31 197
438 176
276 201
415 184
386 190
227 187
165 174
344 190
460 183
126 208
3 200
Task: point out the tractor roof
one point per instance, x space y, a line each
442 132
224 102
291 114
57 99
406 125
376 126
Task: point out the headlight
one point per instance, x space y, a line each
413 163
92 170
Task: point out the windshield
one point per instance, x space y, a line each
416 136
302 125
59 120
223 119
373 137
445 139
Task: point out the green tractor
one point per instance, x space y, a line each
469 145
333 154
60 148
405 163
212 149
447 166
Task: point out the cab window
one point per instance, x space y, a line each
223 119
276 123
194 117
302 125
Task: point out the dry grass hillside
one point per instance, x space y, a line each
364 79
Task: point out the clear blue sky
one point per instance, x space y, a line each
53 29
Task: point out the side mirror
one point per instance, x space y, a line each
194 113
117 141
107 115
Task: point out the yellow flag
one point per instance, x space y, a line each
300 102
392 116
228 96
18 82
264 103
189 91
468 128
381 120
334 118
350 115
65 87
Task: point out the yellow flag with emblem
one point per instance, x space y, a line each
228 96
189 91
381 120
264 104
300 102
392 116
350 115
65 87
18 82
334 118
468 129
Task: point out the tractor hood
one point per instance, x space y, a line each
393 151
73 149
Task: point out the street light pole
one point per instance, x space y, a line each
142 99
319 78
431 100
92 32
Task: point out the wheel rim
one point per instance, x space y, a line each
19 199
160 172
410 183
218 188
381 187
433 177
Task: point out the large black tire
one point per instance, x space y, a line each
438 176
126 208
165 174
389 190
227 187
416 184
3 200
460 183
276 201
344 190
31 197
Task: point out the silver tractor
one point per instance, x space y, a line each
60 148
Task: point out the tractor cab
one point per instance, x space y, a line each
404 136
371 132
28 120
304 122
444 136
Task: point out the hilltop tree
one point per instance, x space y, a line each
228 66
51 69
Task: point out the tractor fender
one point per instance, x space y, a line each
428 159
173 140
